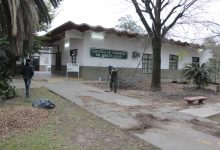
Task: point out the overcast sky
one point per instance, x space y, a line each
94 12
107 12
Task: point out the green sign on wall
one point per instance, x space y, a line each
105 53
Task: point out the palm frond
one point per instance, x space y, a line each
20 19
200 75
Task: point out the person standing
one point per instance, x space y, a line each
27 72
113 75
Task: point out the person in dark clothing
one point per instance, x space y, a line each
113 75
27 72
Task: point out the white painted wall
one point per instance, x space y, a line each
73 40
53 56
45 59
83 42
112 42
73 44
184 54
205 55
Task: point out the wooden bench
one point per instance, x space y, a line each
200 99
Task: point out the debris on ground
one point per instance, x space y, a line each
147 121
42 103
170 96
19 119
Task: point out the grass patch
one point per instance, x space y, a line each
68 127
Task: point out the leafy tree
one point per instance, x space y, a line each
20 19
200 75
158 17
128 24
37 45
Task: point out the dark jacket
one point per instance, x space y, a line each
113 72
27 71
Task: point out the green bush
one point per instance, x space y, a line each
199 75
6 90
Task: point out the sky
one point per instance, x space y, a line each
93 12
107 12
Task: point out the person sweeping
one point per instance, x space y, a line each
113 77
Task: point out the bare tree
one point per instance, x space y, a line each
158 17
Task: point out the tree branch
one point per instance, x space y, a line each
185 8
148 8
146 25
166 4
170 13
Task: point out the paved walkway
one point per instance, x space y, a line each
121 111
205 110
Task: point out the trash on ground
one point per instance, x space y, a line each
42 103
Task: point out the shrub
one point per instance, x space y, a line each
6 90
200 75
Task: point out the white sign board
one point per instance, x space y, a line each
72 67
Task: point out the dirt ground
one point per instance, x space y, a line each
20 119
171 96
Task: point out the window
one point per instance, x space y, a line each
147 63
73 59
73 54
173 62
195 60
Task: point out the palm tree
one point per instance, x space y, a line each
200 75
19 19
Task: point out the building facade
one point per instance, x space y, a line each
96 48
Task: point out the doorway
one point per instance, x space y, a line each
36 63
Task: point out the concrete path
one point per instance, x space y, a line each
118 110
106 105
178 137
205 110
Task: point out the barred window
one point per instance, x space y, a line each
147 63
73 54
195 60
73 59
173 62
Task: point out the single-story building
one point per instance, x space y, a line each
94 48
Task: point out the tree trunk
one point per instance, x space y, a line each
156 74
13 54
13 65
